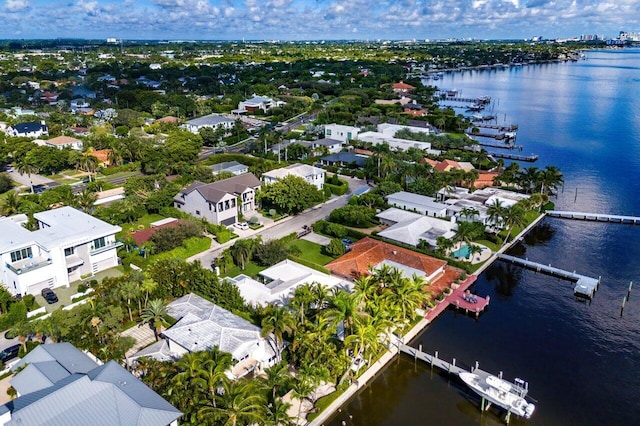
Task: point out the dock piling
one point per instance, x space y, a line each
629 291
624 299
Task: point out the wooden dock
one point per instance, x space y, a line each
502 128
481 101
526 158
519 387
496 136
504 145
595 217
585 286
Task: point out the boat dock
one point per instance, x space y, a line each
519 388
505 145
496 136
502 128
585 286
595 217
527 158
482 100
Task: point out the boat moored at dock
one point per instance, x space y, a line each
510 397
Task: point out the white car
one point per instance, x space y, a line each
242 225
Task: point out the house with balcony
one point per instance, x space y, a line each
219 202
311 174
201 326
67 245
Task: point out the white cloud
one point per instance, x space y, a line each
16 5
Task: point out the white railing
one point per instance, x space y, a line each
40 310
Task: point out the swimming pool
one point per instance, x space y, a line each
463 252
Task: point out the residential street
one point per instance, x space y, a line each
288 225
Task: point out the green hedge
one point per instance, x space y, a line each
337 190
311 265
130 167
320 227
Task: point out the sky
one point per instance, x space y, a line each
315 19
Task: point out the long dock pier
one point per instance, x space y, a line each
496 136
585 286
519 388
595 217
504 145
502 128
527 158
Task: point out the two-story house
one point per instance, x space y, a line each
219 202
30 129
313 175
67 245
340 132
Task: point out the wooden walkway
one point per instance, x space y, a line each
595 217
585 286
482 100
497 136
504 145
502 128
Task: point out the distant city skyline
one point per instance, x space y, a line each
315 19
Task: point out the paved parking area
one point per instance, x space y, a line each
316 238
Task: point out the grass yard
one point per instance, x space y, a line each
250 269
142 223
189 247
311 252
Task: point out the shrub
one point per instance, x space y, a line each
335 248
82 288
30 302
166 239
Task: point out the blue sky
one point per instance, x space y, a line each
315 19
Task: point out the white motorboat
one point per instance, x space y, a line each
499 392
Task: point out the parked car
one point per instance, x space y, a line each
49 295
9 353
242 225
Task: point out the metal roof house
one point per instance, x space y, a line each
229 166
62 386
411 228
418 203
203 325
30 129
67 244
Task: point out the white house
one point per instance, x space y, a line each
203 325
29 130
311 174
213 121
391 129
379 138
61 142
219 202
459 199
67 245
229 166
418 203
341 132
412 228
333 146
256 102
280 282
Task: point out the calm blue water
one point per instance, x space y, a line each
582 360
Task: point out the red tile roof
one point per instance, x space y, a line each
446 165
369 252
144 235
402 86
484 180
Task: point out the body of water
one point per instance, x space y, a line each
581 359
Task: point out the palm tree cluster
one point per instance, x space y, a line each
198 385
532 180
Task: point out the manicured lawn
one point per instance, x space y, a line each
188 248
311 252
250 269
142 223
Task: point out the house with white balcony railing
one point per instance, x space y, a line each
66 245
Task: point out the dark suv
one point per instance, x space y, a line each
9 353
49 295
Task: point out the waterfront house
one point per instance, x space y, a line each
212 121
58 385
67 245
369 253
413 228
402 88
459 199
202 325
311 174
280 281
417 203
219 202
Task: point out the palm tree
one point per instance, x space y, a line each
25 165
85 200
213 373
469 213
343 309
277 321
365 288
302 387
148 285
11 204
364 335
513 217
237 403
129 290
241 251
550 179
277 379
87 162
473 250
22 330
496 212
154 315
301 301
277 413
408 295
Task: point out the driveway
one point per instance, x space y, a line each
26 180
287 226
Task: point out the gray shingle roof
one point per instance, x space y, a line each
214 192
209 120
